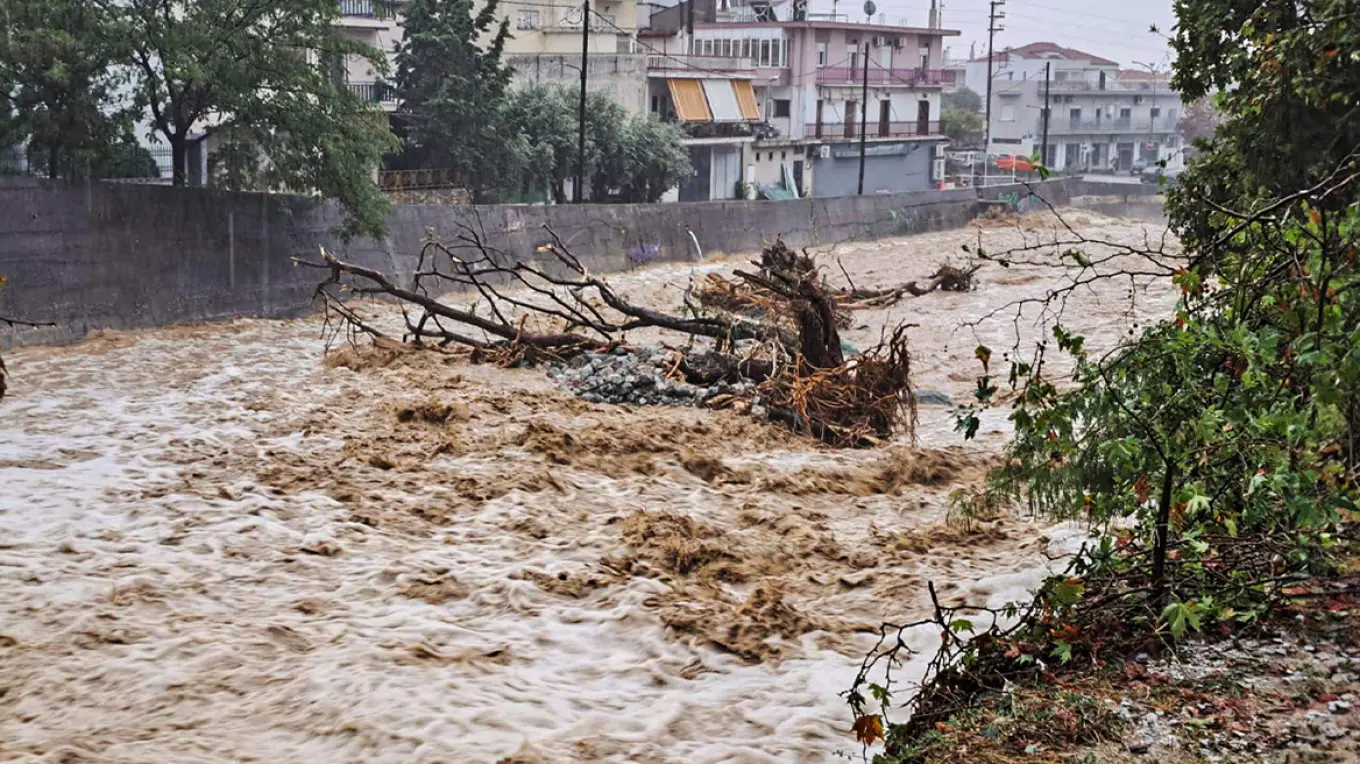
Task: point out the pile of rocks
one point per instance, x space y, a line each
636 376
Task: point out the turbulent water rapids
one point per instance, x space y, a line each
218 545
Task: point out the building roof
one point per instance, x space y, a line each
1043 50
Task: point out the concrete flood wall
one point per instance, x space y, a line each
117 256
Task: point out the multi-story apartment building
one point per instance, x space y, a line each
1102 118
544 46
806 113
376 23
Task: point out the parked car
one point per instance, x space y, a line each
1155 174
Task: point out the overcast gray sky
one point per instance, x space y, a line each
1115 30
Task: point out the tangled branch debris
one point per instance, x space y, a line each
741 298
777 326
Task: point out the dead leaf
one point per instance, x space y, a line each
1142 489
868 729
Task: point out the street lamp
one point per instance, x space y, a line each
1152 118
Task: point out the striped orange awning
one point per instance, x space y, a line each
746 99
690 103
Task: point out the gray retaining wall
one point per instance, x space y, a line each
119 256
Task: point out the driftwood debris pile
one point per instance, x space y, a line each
773 331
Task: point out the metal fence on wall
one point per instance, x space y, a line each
130 164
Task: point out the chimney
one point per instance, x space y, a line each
934 22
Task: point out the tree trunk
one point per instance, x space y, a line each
1160 538
179 159
821 341
53 160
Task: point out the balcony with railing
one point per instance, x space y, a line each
367 9
374 92
840 130
1110 85
881 77
1117 125
676 64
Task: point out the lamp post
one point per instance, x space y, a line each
1152 109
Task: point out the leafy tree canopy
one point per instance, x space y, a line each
58 74
960 125
962 99
263 73
451 86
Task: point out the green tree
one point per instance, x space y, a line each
57 71
545 141
629 159
266 75
451 87
962 99
658 159
960 125
1239 418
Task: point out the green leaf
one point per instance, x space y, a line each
1068 592
1062 651
960 625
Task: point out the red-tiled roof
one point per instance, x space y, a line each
1048 50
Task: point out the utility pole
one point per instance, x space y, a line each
863 116
992 17
581 115
1043 152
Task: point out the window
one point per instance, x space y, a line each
1137 100
726 49
1171 115
821 54
746 48
526 19
783 155
1156 112
1007 113
1126 113
708 47
781 107
852 55
925 56
764 53
656 104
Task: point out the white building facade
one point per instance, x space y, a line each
1101 118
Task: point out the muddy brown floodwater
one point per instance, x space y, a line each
217 547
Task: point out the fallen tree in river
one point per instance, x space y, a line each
551 307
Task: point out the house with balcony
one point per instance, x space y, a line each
544 46
713 100
808 80
376 23
1102 118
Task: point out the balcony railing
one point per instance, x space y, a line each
878 76
1111 86
1071 127
373 92
700 64
833 130
368 9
